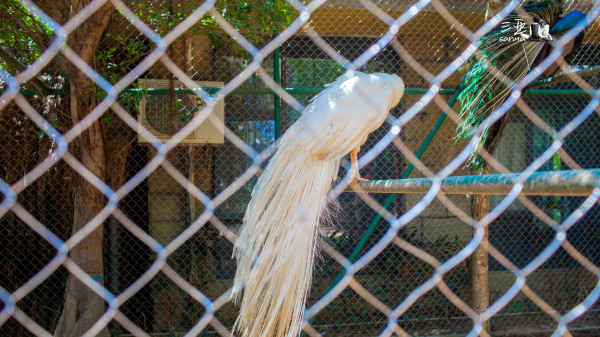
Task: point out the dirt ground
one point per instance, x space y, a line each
529 327
583 333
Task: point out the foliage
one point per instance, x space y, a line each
27 37
21 32
113 62
24 36
255 20
123 51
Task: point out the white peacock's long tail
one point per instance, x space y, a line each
276 246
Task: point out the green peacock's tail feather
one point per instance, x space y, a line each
500 63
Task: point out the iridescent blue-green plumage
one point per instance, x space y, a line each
503 58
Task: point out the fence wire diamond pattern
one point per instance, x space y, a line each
167 213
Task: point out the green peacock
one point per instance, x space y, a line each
515 47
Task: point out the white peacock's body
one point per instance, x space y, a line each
275 248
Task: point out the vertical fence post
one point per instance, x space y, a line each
480 258
480 265
277 99
113 237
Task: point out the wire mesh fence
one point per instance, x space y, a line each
124 193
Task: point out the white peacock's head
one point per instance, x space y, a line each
397 88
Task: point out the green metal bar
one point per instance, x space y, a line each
240 91
560 92
298 91
33 92
564 77
277 99
363 240
553 183
422 91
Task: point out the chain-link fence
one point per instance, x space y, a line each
104 229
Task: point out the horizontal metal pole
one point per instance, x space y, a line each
239 91
558 92
565 77
298 91
568 183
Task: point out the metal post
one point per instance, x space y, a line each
113 237
481 206
480 258
277 99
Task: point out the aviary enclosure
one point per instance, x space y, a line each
133 132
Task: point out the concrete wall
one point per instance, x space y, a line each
173 210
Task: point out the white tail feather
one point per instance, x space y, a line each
283 215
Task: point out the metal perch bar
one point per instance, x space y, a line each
564 77
567 183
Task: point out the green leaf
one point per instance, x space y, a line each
556 162
107 119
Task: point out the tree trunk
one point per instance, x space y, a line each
82 306
493 7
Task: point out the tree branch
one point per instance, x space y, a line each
10 60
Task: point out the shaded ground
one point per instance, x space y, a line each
507 326
587 333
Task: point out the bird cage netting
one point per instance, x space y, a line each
134 132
